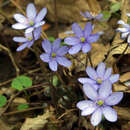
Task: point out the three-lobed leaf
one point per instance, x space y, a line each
21 82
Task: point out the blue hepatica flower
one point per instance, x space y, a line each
92 16
26 41
32 21
82 40
96 78
125 30
100 103
54 54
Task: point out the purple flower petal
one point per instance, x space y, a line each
84 104
29 30
31 11
114 98
23 46
88 29
77 30
90 92
105 89
46 45
114 78
63 61
93 38
122 29
128 39
56 45
41 15
39 24
107 73
75 49
86 80
29 35
19 26
20 39
72 40
88 110
62 51
45 57
86 47
124 35
110 114
96 117
101 70
53 65
30 43
20 18
87 15
99 16
91 73
37 33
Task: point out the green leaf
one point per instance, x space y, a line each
64 44
106 15
51 39
115 7
21 82
55 80
3 100
22 106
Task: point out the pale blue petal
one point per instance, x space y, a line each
75 49
107 73
91 73
96 117
110 114
101 70
41 15
63 61
19 26
72 40
31 11
21 47
20 39
89 110
86 47
88 29
39 24
30 43
56 45
105 89
20 18
77 30
37 33
114 98
93 38
53 65
99 16
47 46
62 51
86 80
84 104
114 78
45 57
29 30
90 92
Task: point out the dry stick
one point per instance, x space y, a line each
11 57
25 89
90 60
56 19
21 111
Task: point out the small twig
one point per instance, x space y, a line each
13 97
21 111
90 60
11 57
56 18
